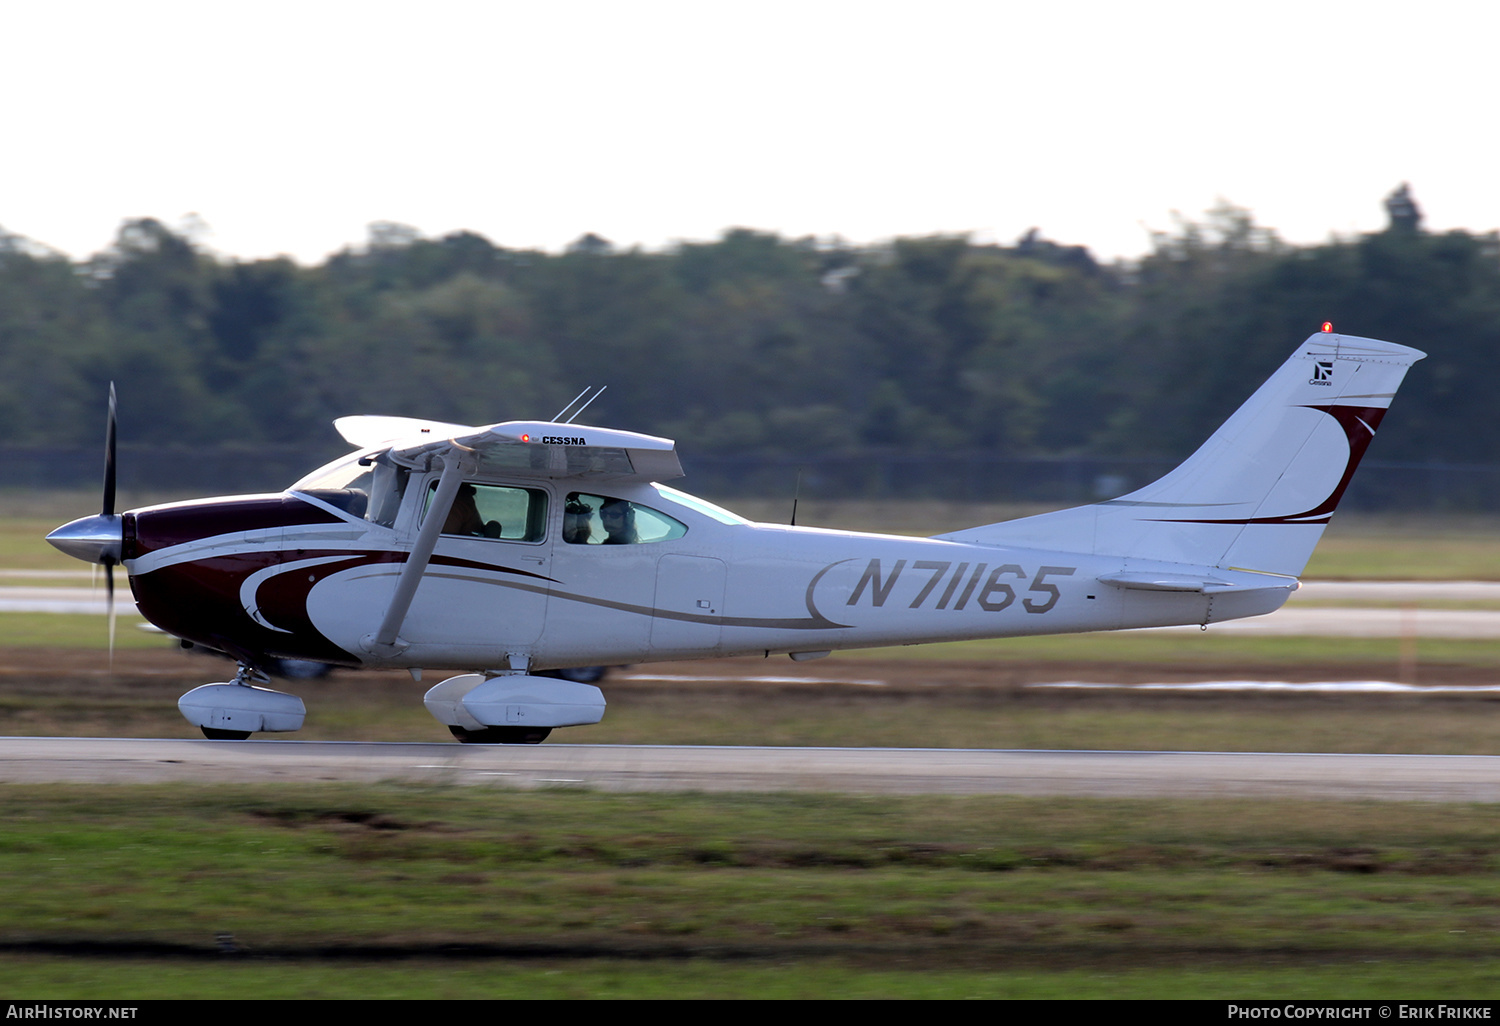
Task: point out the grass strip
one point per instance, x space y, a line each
616 894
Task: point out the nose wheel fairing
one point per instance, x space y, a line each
235 709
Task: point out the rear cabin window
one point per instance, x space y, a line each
603 520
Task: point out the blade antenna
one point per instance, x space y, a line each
796 494
586 405
557 418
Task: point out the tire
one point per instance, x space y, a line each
501 735
215 734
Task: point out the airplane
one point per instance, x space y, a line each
516 549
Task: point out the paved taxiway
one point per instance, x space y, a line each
1464 778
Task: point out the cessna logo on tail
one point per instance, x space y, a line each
1322 374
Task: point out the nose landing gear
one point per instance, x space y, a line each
234 710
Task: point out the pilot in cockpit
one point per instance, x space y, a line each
464 517
577 530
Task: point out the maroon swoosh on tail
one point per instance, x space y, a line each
1359 424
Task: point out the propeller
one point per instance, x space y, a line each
107 509
98 539
109 456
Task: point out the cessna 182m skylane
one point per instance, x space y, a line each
518 548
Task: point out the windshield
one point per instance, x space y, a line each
359 484
338 474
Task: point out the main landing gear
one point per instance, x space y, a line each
511 708
234 710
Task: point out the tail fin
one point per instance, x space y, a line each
1258 494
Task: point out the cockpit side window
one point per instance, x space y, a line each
494 511
603 520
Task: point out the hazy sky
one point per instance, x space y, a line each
288 127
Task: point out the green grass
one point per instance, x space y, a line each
77 631
1047 720
1398 555
577 894
536 979
23 544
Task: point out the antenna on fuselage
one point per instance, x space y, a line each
571 416
796 494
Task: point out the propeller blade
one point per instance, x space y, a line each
108 509
109 456
109 599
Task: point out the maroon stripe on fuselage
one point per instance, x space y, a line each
200 600
165 526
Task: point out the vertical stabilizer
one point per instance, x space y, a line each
1258 494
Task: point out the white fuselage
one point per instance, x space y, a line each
722 588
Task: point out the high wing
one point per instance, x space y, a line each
368 432
527 447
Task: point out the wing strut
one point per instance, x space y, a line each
456 462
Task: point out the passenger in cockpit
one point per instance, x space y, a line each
619 523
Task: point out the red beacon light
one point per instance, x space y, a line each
1327 326
525 438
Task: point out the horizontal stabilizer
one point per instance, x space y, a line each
1146 581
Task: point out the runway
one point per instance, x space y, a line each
1438 778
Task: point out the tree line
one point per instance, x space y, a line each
751 343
